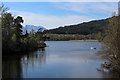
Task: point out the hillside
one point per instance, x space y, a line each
85 28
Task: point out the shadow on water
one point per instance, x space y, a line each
12 66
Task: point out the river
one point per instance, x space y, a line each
61 59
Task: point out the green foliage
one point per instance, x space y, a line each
65 37
111 50
12 38
33 40
100 36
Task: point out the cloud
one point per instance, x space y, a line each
107 7
72 6
50 21
89 7
60 0
86 12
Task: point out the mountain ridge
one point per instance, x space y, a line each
85 28
30 27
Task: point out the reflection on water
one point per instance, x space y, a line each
62 59
33 59
11 68
12 65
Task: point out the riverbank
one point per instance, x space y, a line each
72 40
67 37
83 40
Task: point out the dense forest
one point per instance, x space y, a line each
13 39
85 28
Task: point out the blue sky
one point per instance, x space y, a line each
54 14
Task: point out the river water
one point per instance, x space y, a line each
61 59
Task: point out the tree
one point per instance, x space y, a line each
112 44
7 24
40 35
3 9
17 30
18 27
13 40
11 30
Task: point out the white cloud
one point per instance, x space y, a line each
72 6
60 0
107 7
50 21
87 7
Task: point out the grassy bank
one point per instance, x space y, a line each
70 37
83 40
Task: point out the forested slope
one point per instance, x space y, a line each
85 28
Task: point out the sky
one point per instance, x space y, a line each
55 14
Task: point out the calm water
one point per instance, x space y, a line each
62 59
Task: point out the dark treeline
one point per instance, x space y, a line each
66 37
13 40
86 28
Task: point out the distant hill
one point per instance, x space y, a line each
85 28
30 27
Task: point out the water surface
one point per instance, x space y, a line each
61 59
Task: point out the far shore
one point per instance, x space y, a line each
73 40
83 40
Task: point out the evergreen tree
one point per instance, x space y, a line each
18 27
